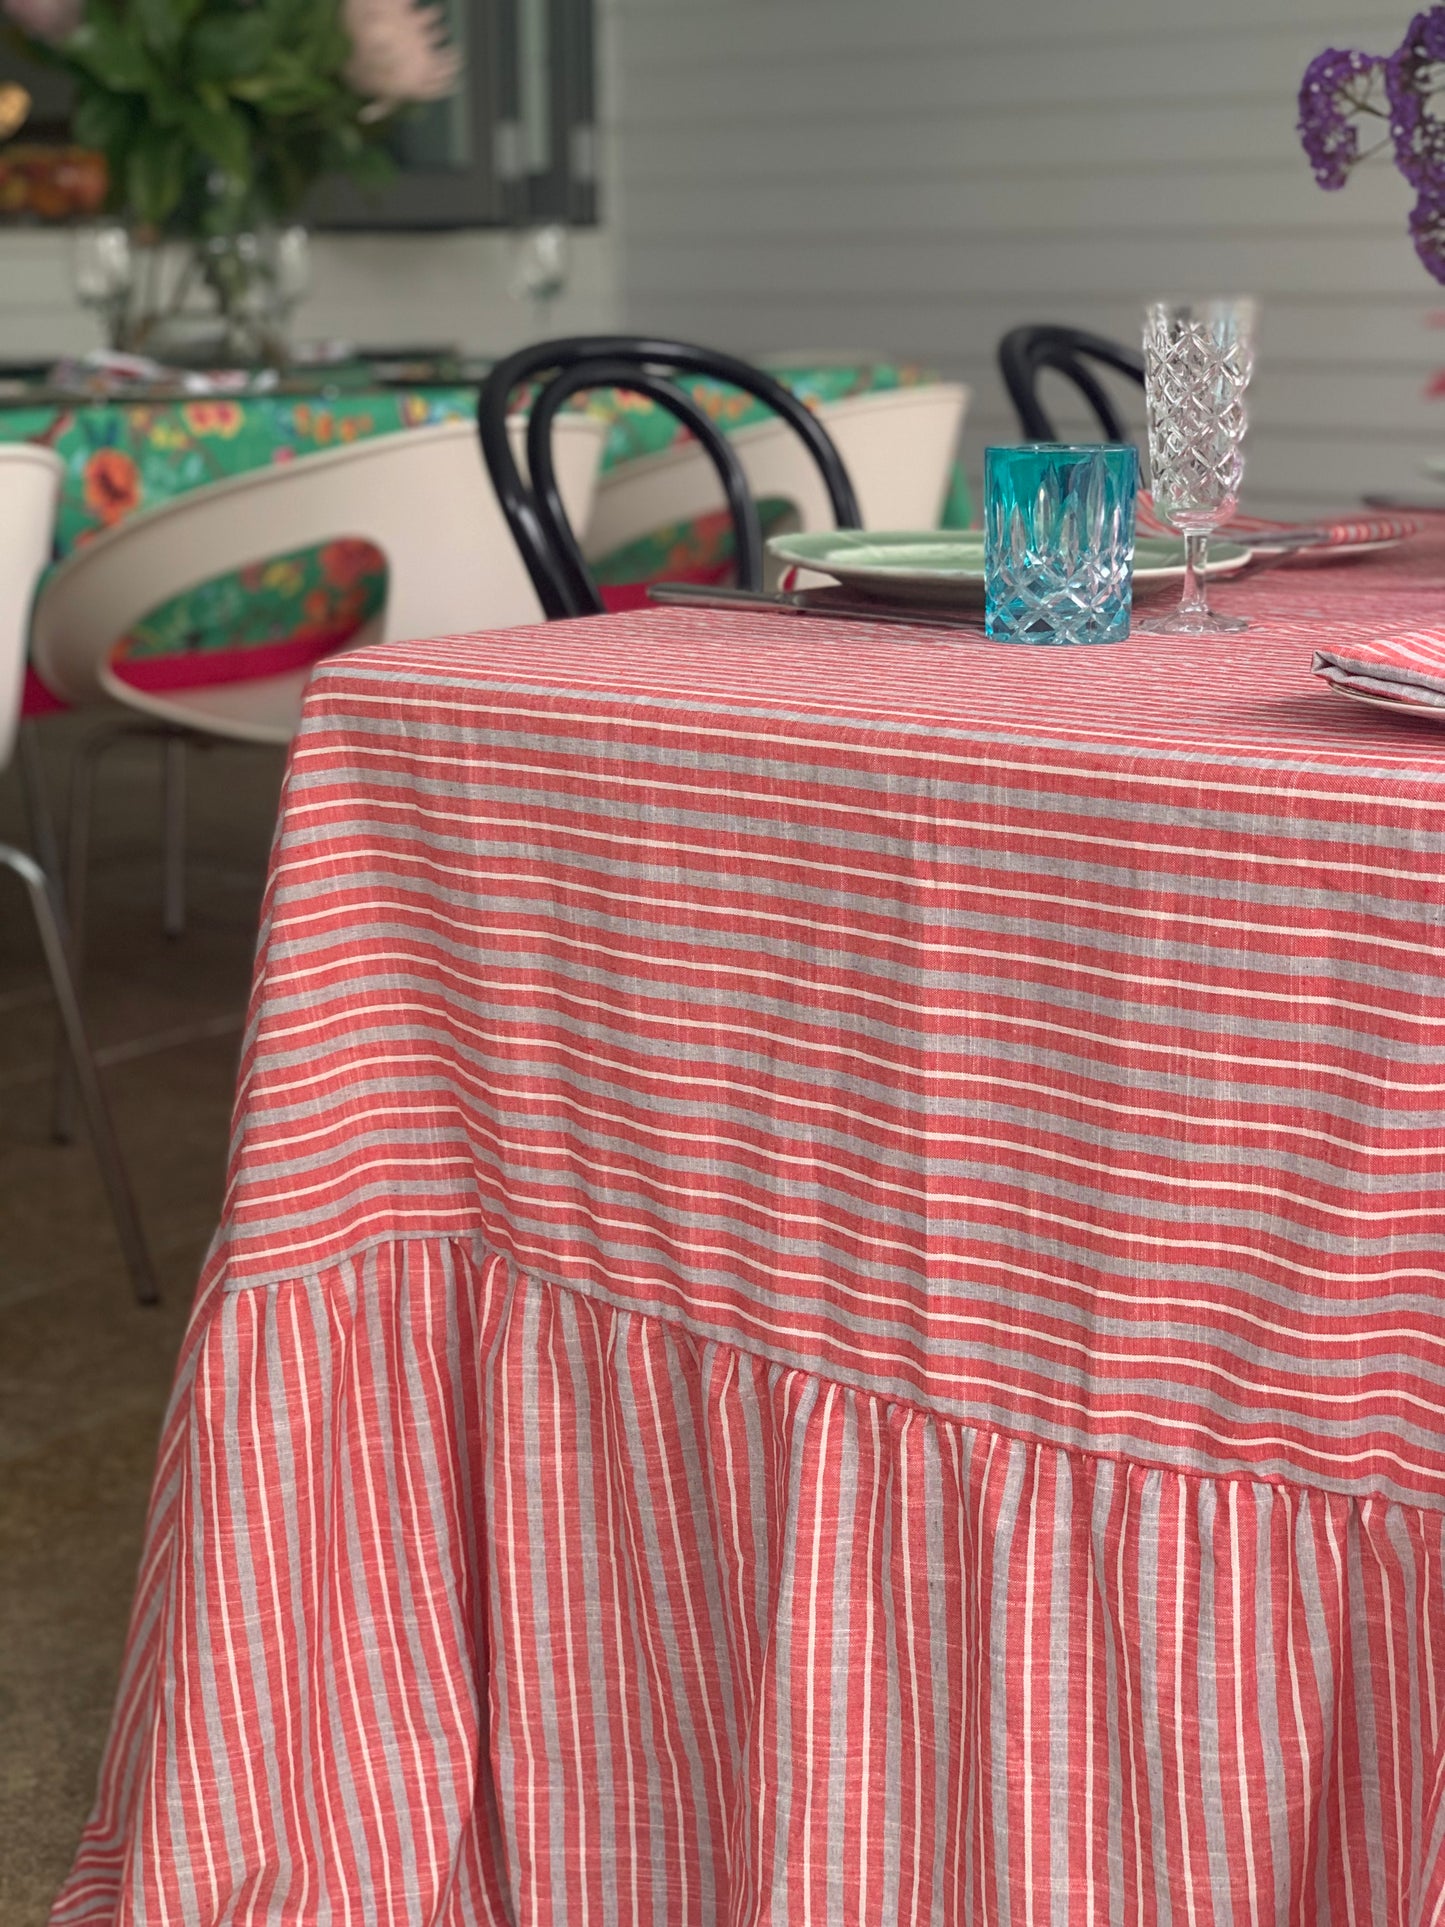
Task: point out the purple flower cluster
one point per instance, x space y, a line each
1427 228
1414 73
1343 86
1337 86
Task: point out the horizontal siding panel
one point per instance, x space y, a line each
837 155
1032 75
1340 335
1351 315
1035 266
38 272
1219 195
39 314
27 333
669 105
673 31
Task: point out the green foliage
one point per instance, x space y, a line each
215 115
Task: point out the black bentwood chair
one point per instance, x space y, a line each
1026 353
640 365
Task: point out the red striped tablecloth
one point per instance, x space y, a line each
830 1305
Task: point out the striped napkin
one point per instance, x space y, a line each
1404 669
1342 531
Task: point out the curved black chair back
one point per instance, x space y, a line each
1024 354
647 366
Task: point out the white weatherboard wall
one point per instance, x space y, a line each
913 178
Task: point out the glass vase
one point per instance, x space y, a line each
211 301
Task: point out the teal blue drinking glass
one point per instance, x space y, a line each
1059 541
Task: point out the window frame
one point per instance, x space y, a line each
498 189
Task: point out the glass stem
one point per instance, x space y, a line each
1195 601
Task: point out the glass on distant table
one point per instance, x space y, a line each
290 269
1198 358
104 271
1059 541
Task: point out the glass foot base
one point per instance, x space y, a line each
1191 623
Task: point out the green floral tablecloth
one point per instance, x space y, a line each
124 456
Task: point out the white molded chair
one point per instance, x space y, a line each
422 496
30 481
898 446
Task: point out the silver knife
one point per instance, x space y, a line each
833 603
1286 539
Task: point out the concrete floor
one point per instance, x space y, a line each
84 1373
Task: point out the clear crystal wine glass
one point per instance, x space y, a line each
290 269
1198 358
104 274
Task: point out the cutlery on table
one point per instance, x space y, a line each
836 604
1301 538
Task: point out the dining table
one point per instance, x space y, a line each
831 1296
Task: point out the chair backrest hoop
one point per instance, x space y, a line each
1025 353
420 495
579 590
900 446
549 562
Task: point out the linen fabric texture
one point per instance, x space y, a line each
829 1305
1404 669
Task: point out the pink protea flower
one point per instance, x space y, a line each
399 51
52 20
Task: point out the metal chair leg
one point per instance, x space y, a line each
79 821
77 870
37 800
173 835
48 920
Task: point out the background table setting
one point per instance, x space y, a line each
132 450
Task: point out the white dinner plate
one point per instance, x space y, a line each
942 566
1417 712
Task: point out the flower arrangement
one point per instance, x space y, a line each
217 116
1345 90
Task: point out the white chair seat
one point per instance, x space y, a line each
260 709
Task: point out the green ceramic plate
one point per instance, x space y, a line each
943 566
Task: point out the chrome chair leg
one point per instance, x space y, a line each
80 816
107 1151
173 835
77 870
78 824
37 800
